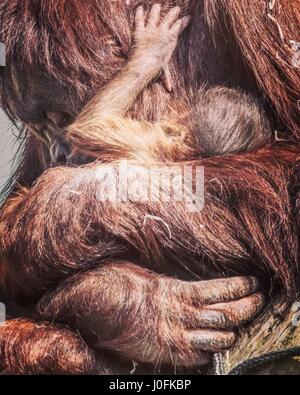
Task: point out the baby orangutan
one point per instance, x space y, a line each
220 120
140 314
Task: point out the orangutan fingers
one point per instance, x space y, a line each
220 290
224 315
154 15
192 318
210 340
140 19
170 17
180 25
238 312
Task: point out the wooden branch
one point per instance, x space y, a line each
278 329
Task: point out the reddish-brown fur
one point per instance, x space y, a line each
248 223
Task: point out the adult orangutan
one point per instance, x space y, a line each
55 232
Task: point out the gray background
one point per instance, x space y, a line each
7 147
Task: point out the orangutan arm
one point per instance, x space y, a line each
96 131
150 318
59 228
154 44
28 347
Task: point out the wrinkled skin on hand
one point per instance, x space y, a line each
154 319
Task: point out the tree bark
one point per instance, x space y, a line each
276 330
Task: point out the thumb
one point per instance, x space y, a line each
167 79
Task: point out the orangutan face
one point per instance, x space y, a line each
38 98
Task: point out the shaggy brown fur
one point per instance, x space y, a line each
47 349
247 225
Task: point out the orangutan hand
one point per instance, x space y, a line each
158 38
149 318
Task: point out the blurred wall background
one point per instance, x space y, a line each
8 147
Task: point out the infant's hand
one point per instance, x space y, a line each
157 39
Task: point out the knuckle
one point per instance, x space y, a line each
175 288
227 318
